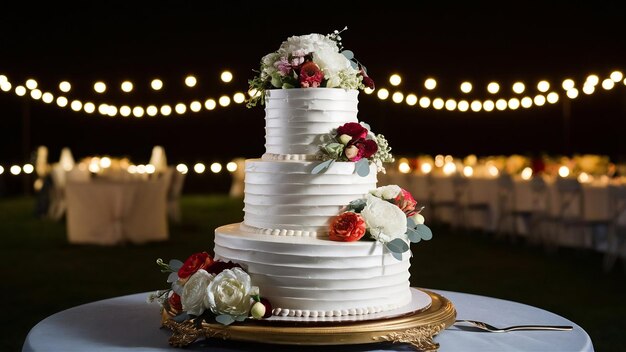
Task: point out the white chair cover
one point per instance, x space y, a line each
66 159
158 159
177 180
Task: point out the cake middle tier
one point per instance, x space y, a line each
285 198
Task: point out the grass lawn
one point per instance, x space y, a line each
44 274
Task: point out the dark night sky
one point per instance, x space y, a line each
477 42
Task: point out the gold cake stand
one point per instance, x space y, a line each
415 328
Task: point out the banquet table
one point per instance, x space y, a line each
129 323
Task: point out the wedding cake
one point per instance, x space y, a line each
285 240
318 237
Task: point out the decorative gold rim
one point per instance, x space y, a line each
417 328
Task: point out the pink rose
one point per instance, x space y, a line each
404 200
310 75
283 66
347 227
353 129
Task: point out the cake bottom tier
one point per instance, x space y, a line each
311 277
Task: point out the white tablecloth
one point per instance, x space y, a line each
128 323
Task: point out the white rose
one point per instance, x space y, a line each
387 192
267 63
307 44
193 298
384 220
331 63
230 291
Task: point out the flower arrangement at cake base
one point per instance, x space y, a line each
207 290
388 214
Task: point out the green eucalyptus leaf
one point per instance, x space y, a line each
357 205
410 222
424 232
172 277
321 167
224 319
397 246
413 235
175 264
362 167
348 54
398 256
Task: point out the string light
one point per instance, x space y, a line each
466 87
30 89
190 81
493 87
397 97
127 86
411 99
226 76
156 84
100 87
395 79
231 166
518 87
216 168
182 168
224 101
430 83
199 168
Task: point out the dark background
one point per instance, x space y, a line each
453 42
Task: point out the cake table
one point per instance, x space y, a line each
127 323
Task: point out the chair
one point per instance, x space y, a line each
506 215
57 206
539 212
616 241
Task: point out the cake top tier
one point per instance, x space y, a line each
309 61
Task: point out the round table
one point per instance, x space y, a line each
129 323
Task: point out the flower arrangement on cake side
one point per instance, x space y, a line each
356 143
309 61
388 214
204 289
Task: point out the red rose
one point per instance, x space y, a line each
310 75
366 148
194 263
347 227
367 81
174 302
353 129
404 200
219 266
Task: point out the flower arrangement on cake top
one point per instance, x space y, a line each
204 289
354 142
388 214
309 61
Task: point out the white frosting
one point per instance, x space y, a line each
295 119
284 198
308 277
